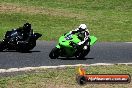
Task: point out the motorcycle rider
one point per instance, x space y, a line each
25 33
21 39
84 35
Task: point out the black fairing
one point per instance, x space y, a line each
12 33
11 38
36 36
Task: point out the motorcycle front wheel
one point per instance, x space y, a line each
54 53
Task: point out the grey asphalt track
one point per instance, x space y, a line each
104 52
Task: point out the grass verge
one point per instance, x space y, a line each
62 78
108 20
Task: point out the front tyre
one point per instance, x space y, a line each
2 46
54 53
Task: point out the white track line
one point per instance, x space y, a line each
60 66
128 42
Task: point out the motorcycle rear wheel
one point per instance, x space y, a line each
26 47
81 54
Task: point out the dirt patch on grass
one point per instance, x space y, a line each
13 8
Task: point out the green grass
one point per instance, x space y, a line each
122 5
62 77
50 27
108 20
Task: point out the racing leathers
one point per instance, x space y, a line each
84 36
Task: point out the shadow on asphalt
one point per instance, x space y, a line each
30 52
21 52
70 58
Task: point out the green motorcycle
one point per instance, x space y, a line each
68 47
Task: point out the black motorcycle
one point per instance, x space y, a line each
12 41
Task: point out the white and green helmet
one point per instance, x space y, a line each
83 27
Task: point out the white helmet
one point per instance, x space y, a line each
83 27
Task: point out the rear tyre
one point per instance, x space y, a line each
81 54
85 52
78 55
26 47
54 53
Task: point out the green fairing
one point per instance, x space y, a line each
93 40
65 44
58 46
